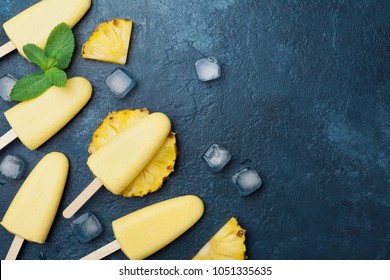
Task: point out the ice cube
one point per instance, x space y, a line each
86 227
7 82
12 167
208 69
120 82
247 181
217 157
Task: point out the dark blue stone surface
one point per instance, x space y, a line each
303 98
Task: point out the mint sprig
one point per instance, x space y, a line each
55 58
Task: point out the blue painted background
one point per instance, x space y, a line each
303 98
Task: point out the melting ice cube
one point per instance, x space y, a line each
86 227
217 157
208 69
120 82
247 181
12 167
7 82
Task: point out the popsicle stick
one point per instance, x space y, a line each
15 248
83 197
103 251
6 48
7 138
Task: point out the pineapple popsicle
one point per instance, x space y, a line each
34 24
145 231
120 160
36 121
35 205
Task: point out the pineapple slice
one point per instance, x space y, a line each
157 170
109 42
226 244
154 174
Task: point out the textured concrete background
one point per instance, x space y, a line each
303 98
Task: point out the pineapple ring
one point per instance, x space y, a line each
158 169
227 244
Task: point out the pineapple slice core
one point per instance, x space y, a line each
227 244
109 42
158 169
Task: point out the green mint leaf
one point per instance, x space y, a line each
30 86
56 76
60 46
36 55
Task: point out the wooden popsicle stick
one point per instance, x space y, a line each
15 248
7 138
6 48
83 197
103 251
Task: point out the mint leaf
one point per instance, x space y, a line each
60 46
36 55
56 77
30 86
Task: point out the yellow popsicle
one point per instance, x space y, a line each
145 231
34 24
34 207
36 121
119 161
